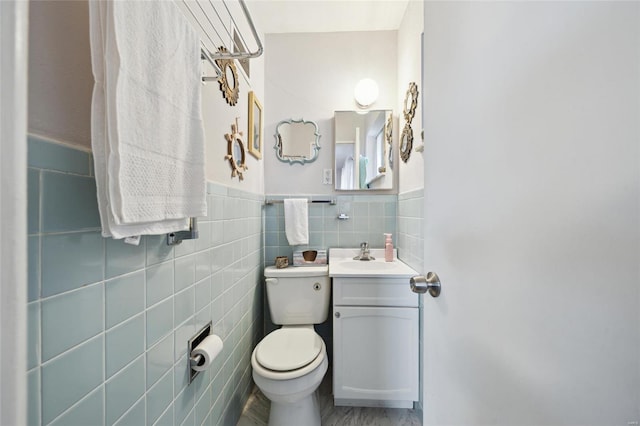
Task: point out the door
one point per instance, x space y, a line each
532 213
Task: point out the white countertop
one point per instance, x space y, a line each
341 264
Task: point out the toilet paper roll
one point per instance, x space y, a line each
209 349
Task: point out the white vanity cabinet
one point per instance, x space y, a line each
375 342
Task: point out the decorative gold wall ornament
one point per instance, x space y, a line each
406 142
410 102
235 151
228 79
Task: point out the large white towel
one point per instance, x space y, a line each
147 133
296 221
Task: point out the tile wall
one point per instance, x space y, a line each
410 240
109 322
369 217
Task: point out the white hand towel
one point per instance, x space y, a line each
147 133
296 221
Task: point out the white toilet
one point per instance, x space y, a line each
289 363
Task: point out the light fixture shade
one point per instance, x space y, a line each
366 92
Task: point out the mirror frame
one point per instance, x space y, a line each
405 149
389 139
298 159
229 93
411 95
237 168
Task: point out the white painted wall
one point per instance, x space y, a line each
533 213
311 75
409 70
60 78
61 84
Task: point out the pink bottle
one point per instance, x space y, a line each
388 248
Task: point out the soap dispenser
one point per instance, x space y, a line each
388 248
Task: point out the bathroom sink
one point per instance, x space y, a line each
342 264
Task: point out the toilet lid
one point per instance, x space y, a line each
288 349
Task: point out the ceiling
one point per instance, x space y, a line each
299 16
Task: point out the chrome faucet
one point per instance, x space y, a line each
364 252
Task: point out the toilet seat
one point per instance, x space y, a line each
288 349
290 374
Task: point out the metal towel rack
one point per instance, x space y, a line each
216 24
331 201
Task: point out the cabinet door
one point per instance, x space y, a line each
375 353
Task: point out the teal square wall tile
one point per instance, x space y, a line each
124 343
217 233
166 419
69 202
217 207
181 375
203 241
33 397
157 249
346 225
159 360
33 338
33 201
135 416
185 247
124 389
203 265
183 405
331 239
159 397
159 321
390 209
189 420
376 224
159 282
360 209
33 277
123 258
203 406
71 318
89 411
70 261
47 155
185 272
124 297
316 224
181 336
203 293
183 305
70 377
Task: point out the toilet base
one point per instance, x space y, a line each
303 412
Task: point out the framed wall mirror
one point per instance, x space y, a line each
363 150
297 141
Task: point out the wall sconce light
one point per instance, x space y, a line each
366 92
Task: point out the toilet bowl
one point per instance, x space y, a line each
289 363
301 365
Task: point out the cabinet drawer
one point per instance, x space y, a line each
373 292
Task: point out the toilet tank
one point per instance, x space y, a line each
298 295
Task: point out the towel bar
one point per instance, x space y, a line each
331 201
175 238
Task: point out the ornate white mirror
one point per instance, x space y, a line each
363 156
297 141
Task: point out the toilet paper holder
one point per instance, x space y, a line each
192 344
